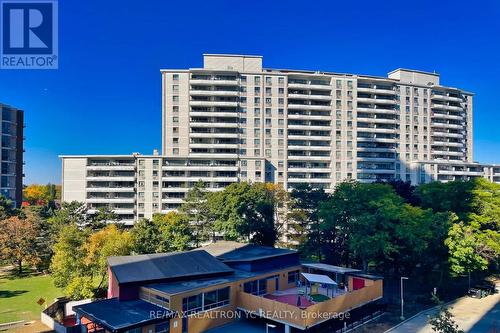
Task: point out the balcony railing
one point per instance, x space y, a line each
314 314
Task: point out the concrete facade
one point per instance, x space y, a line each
11 182
234 120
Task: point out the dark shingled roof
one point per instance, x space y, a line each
115 315
232 251
164 266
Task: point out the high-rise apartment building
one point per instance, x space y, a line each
11 179
320 128
233 120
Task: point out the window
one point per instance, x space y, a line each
293 276
175 98
175 108
175 88
257 80
163 327
175 120
175 77
268 80
281 80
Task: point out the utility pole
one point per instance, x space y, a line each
402 299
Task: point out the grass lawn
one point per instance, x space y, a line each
19 296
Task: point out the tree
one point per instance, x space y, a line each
175 232
37 194
404 189
476 203
69 254
79 262
145 236
18 242
443 321
102 244
466 250
100 219
6 208
195 207
303 218
245 211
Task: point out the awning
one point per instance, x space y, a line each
330 268
318 278
119 316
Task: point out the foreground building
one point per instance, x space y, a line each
191 292
11 181
233 120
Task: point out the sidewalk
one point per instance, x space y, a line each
471 315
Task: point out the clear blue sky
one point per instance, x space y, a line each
105 96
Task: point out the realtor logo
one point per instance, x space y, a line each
29 34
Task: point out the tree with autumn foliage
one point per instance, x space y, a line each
37 194
79 262
18 242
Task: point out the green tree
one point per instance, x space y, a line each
101 218
466 250
245 211
196 208
175 231
303 219
79 262
145 236
69 254
443 321
6 208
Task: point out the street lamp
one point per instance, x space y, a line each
269 326
402 300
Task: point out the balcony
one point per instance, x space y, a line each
109 200
213 82
376 91
111 178
376 101
213 103
446 107
214 93
308 86
311 313
310 97
309 107
213 135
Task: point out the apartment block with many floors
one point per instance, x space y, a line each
233 120
11 182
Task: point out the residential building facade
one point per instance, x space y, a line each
233 120
11 181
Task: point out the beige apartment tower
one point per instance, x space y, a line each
233 120
291 127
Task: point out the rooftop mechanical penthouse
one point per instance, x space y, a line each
233 120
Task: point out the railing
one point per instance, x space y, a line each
314 314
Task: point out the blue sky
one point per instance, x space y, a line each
105 96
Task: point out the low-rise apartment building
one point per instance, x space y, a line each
194 291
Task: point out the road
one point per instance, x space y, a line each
471 315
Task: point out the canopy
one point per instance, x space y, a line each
318 278
330 268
